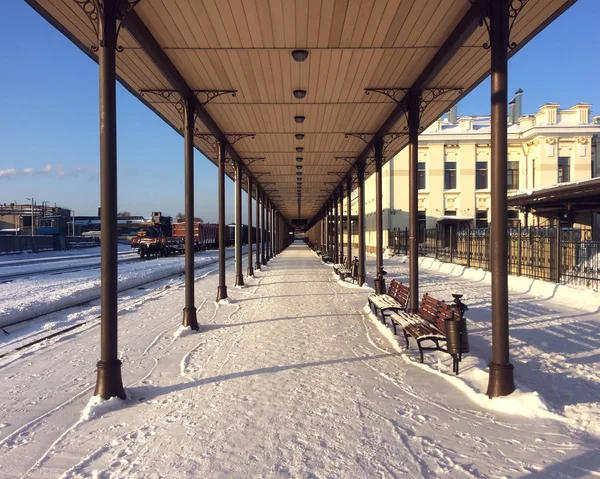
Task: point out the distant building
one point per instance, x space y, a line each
46 220
550 147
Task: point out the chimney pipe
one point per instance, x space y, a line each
512 111
452 115
518 103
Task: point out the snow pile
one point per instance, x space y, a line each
586 298
472 380
97 406
183 331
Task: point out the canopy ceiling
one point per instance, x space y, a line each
246 45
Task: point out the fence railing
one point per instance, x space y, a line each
21 244
570 257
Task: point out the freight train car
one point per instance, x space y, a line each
206 236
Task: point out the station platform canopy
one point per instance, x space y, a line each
236 57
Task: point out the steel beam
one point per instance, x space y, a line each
189 311
222 288
109 382
501 380
239 276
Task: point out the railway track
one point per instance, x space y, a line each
7 278
72 327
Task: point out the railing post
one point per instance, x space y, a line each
557 258
519 251
468 246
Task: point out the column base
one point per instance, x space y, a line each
257 266
250 271
360 280
264 261
501 381
109 382
239 279
190 319
221 293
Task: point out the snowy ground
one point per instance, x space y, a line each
29 296
292 378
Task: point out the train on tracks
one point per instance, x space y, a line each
163 238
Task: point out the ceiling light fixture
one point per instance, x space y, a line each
299 94
298 167
299 149
299 136
299 159
299 55
299 119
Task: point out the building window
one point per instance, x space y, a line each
512 175
450 175
422 175
449 213
481 219
563 169
481 175
422 225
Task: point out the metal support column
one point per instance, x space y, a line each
336 242
109 382
239 276
501 380
349 220
362 254
189 311
250 270
341 226
222 288
258 229
263 211
379 280
414 101
327 227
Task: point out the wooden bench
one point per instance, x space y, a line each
341 270
428 324
395 300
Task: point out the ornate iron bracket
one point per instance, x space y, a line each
427 96
366 137
348 159
261 174
250 161
94 10
267 183
391 137
210 139
210 95
514 9
168 96
340 174
233 138
391 93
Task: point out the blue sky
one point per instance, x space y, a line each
49 115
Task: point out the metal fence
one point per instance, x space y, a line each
21 244
571 257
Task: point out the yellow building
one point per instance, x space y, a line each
553 146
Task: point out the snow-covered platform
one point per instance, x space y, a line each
293 378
